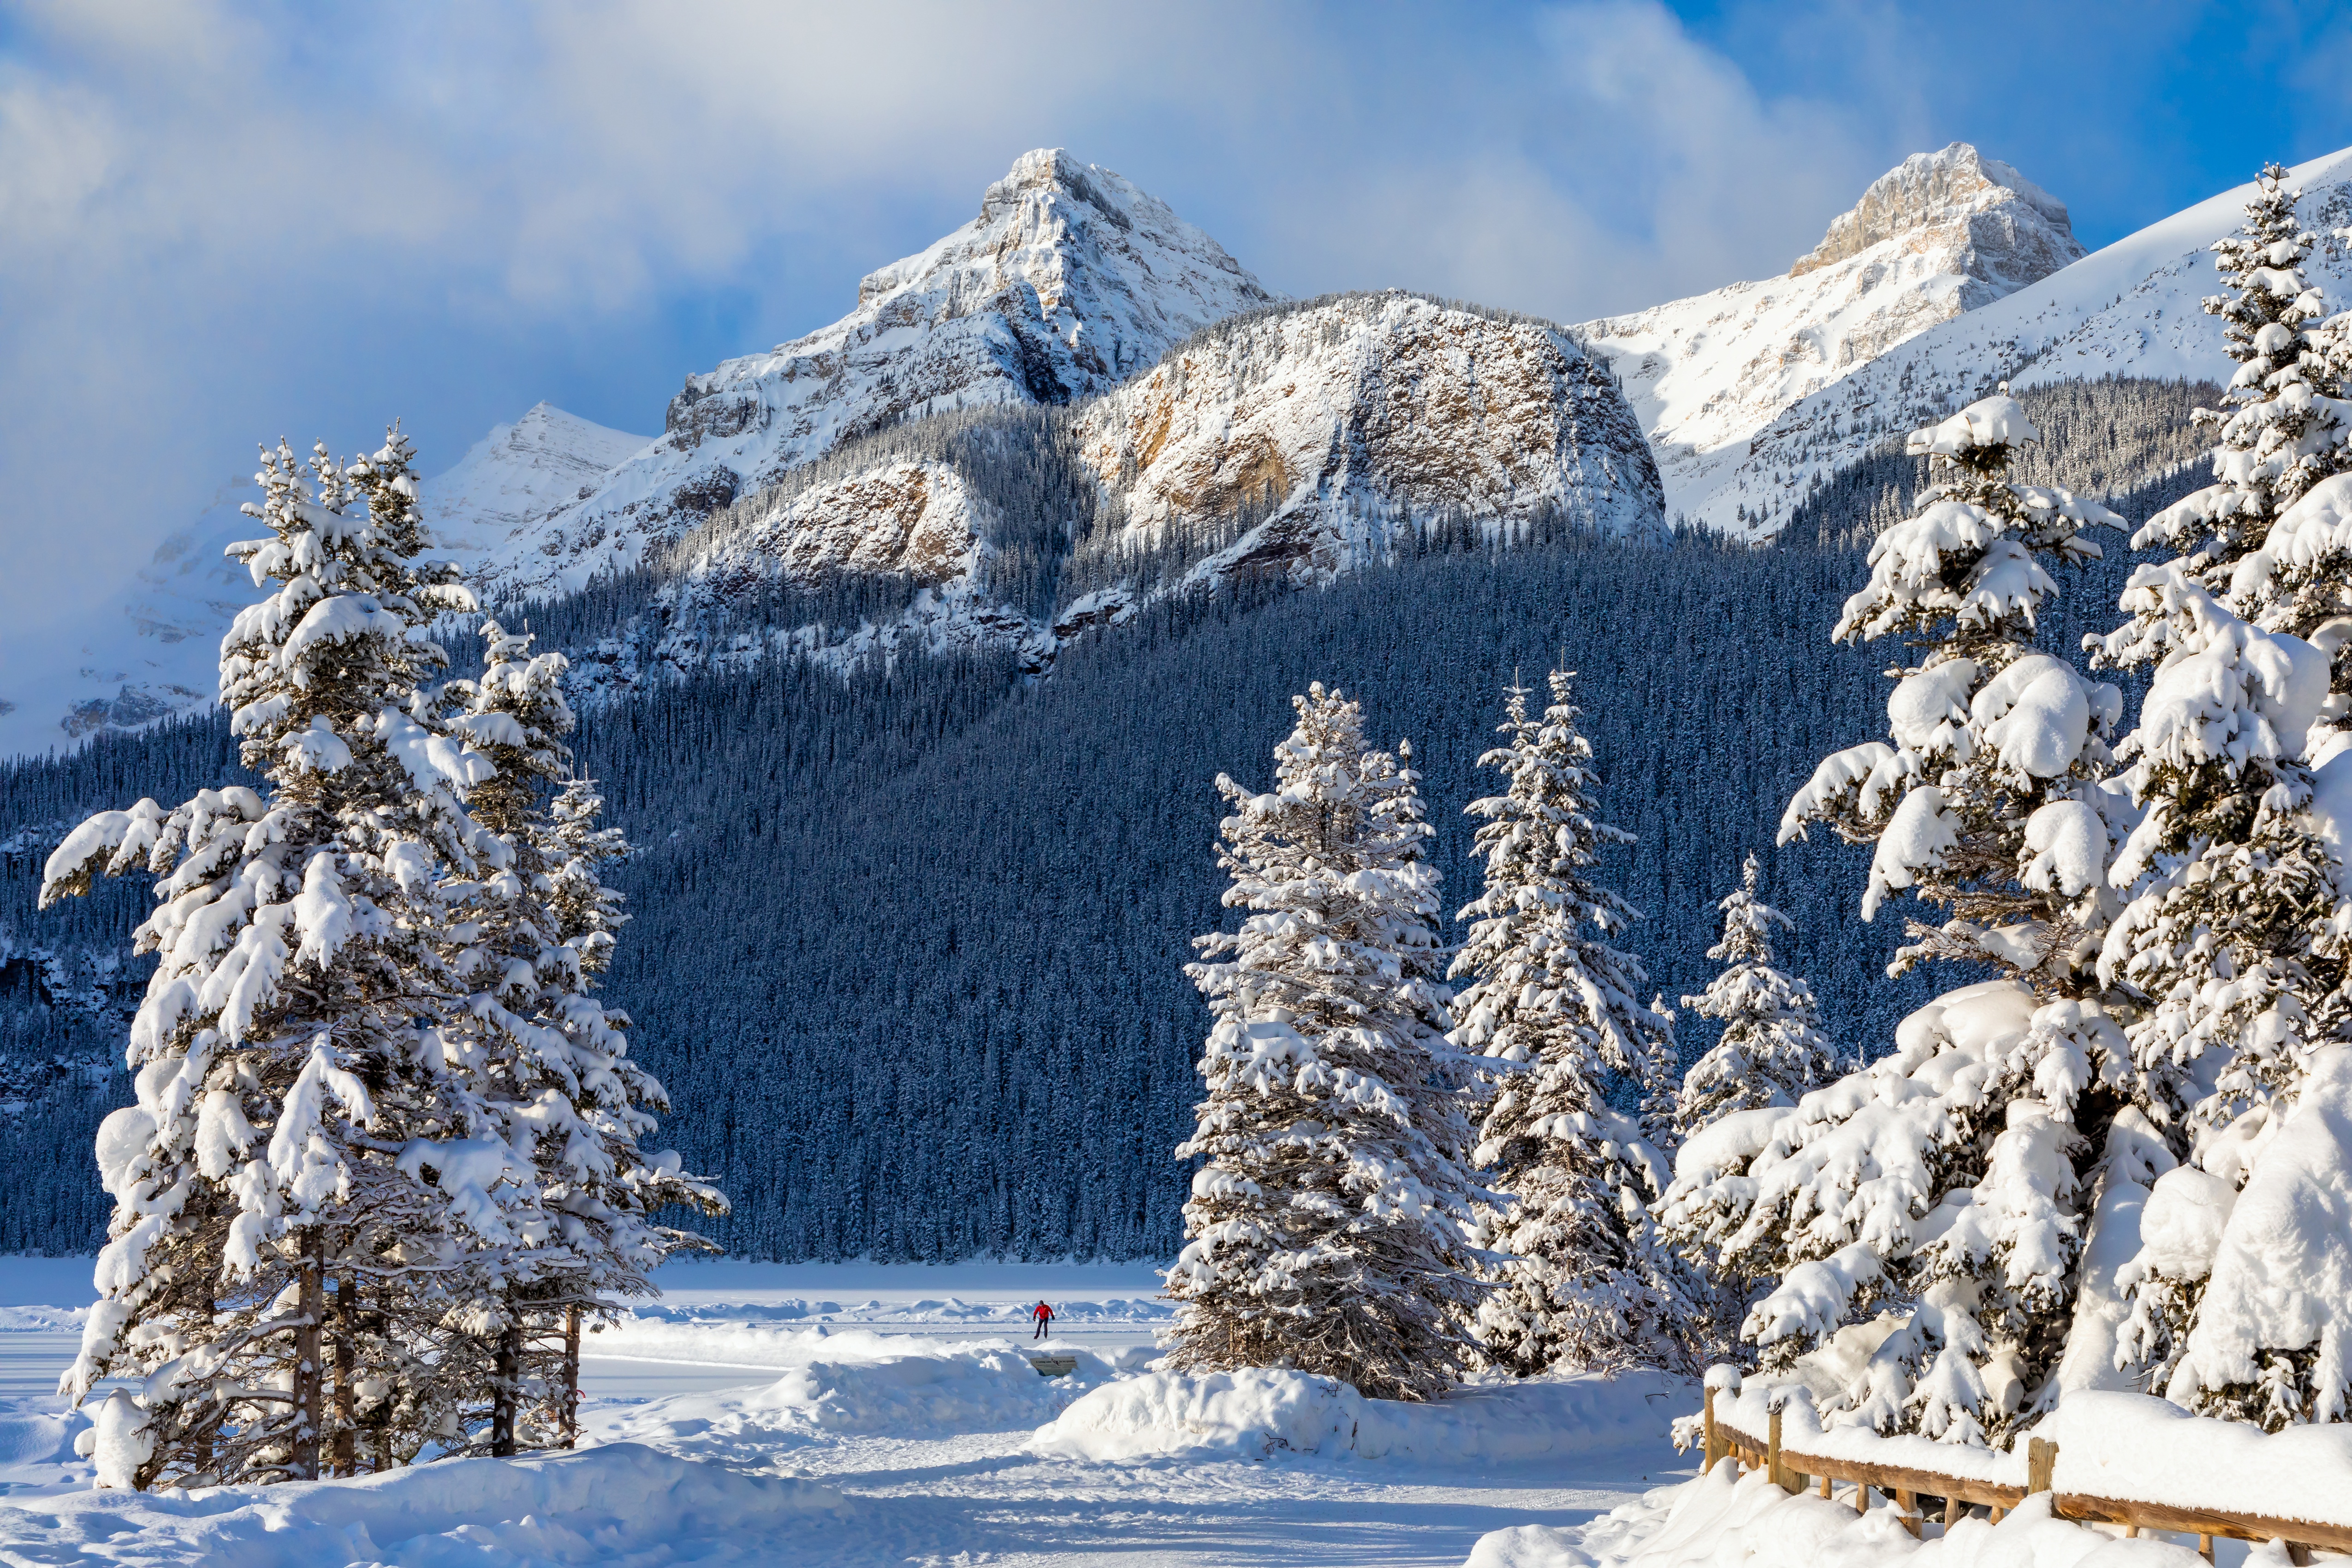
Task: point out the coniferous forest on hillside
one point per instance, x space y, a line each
909 943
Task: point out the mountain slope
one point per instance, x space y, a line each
1943 233
1069 281
2130 309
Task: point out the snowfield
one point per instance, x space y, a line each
861 1415
751 1417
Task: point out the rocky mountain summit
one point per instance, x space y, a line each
1302 432
1941 235
1068 282
2003 230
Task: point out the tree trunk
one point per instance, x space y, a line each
346 1448
310 1417
506 1373
568 1419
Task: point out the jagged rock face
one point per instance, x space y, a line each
1946 233
917 519
1068 282
2004 230
1326 420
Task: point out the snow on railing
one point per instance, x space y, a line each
2127 1460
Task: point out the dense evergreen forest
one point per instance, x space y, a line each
909 942
909 947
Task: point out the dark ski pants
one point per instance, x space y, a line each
1044 1329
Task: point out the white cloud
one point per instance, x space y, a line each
217 223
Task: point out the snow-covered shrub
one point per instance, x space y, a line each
1556 1010
1324 1232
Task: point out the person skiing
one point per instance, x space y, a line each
1044 1316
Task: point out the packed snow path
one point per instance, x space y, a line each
867 1416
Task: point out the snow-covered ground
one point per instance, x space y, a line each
879 1413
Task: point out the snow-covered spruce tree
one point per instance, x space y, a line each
549 1060
1953 1182
1583 1277
2231 957
2282 430
292 1088
1772 1051
1324 1230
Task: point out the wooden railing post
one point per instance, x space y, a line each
1714 1437
1908 1502
1774 1466
2041 1463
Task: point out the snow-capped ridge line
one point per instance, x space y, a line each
2132 309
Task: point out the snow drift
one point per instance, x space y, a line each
617 1504
1258 1414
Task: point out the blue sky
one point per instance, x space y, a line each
219 223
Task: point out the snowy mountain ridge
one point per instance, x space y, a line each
2132 309
1943 233
1070 280
1291 441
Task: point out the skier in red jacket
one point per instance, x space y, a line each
1044 1316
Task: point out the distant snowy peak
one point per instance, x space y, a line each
154 650
1310 428
1070 280
515 475
1943 233
2003 230
2132 309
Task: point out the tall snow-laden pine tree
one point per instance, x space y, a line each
1324 1231
1772 1051
2282 429
1953 1180
293 1088
1583 1278
552 1061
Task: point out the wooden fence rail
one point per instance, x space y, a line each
1790 1468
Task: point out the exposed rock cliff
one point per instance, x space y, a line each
1304 431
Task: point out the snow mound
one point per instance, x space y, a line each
2140 1449
1247 1415
616 1504
1256 1413
1752 1523
851 1383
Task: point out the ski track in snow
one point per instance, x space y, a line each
894 1427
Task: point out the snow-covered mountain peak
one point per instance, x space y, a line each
1943 233
2012 230
1070 280
517 474
2132 309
